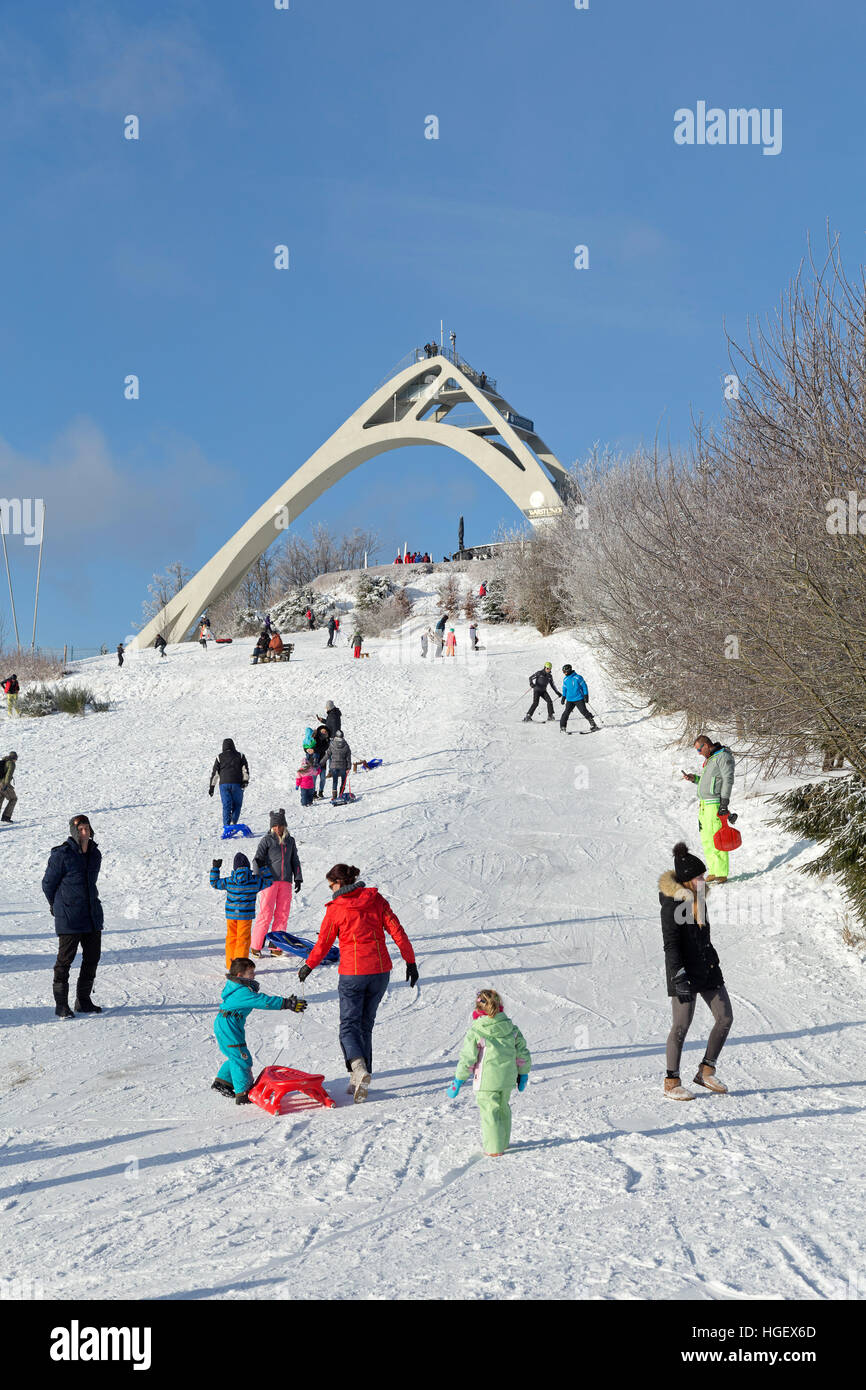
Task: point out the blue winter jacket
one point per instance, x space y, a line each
238 1001
574 687
69 884
240 889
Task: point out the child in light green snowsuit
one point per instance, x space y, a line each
494 1052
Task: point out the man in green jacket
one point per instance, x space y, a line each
715 783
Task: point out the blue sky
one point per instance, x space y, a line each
306 127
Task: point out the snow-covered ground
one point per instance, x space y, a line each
515 857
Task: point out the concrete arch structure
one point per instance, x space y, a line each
412 407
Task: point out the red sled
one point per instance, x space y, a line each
221 640
273 1084
727 837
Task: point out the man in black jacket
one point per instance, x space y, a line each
332 628
538 685
69 884
231 774
332 718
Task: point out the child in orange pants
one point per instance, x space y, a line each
240 889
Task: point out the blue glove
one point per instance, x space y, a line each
523 1081
454 1089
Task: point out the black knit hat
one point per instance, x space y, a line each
687 865
277 818
240 861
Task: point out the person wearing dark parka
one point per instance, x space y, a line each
69 884
692 968
231 773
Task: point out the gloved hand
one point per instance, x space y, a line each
210 791
723 806
412 974
304 972
296 1005
732 818
454 1089
297 885
683 987
51 910
523 1081
217 863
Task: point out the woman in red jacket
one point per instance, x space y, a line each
359 916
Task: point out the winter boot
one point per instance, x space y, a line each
243 1098
361 1079
86 1006
275 951
224 1087
257 954
674 1090
6 818
61 1002
527 718
706 1076
551 719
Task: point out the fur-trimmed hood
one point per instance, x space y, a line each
670 888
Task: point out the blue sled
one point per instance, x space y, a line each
230 832
299 946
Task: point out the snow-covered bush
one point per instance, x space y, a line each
60 699
493 605
833 814
373 590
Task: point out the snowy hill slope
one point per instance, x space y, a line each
515 857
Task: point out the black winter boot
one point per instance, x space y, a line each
61 1002
86 1006
225 1088
7 819
243 1098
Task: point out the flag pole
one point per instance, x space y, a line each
9 579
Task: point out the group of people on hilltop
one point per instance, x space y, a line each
413 557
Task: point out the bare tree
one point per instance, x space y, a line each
162 589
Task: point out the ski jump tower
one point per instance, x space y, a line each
436 399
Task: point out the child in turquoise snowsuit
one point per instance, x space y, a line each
494 1052
239 997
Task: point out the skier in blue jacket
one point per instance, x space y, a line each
574 696
239 997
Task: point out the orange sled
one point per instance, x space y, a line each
275 1083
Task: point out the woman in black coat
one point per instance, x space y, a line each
692 968
320 752
69 884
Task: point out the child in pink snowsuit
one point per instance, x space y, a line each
278 850
306 780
